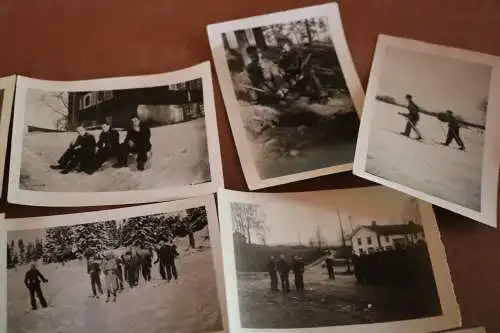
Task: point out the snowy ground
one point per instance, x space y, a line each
180 157
427 166
189 304
325 302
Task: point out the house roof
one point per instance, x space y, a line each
396 229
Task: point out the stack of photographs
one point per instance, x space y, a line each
354 260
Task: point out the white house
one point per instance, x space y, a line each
368 239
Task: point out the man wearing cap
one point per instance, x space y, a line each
107 145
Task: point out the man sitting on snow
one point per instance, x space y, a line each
137 142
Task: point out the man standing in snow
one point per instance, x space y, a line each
161 253
94 272
329 261
284 270
145 262
298 272
413 117
119 272
32 281
131 267
109 268
453 129
170 260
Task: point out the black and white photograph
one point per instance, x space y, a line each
149 269
7 87
427 128
291 93
313 260
120 140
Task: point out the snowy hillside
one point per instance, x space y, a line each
426 166
180 157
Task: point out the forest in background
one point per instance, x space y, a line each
64 243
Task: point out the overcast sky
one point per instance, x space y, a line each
436 83
288 223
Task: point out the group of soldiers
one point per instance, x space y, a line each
413 117
87 155
116 270
292 74
282 268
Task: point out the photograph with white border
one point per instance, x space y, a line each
354 260
291 92
430 127
7 88
116 140
151 268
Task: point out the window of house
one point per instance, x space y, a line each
86 101
386 239
369 240
360 241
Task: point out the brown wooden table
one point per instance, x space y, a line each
70 40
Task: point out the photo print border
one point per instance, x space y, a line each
39 222
491 147
370 202
215 31
43 198
8 85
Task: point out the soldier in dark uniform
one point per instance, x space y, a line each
284 269
161 254
137 142
298 272
119 272
329 261
146 261
265 75
453 129
80 153
32 281
94 271
170 260
273 275
298 72
107 146
413 117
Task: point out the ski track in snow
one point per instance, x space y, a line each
189 304
180 157
428 167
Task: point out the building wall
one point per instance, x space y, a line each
364 241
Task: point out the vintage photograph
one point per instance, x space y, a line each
312 265
289 97
145 273
426 123
107 141
7 87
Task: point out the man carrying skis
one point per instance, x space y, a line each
453 129
412 118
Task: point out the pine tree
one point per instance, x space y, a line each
195 220
38 249
139 231
113 234
9 257
58 243
20 244
90 239
30 252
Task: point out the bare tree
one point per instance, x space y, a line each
58 103
248 220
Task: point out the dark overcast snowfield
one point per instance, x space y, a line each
427 166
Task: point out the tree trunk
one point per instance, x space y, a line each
308 29
259 38
242 39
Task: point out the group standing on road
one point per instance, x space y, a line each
282 268
86 155
413 116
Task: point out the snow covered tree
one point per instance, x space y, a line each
20 244
113 234
139 231
195 220
58 243
38 249
90 238
30 252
